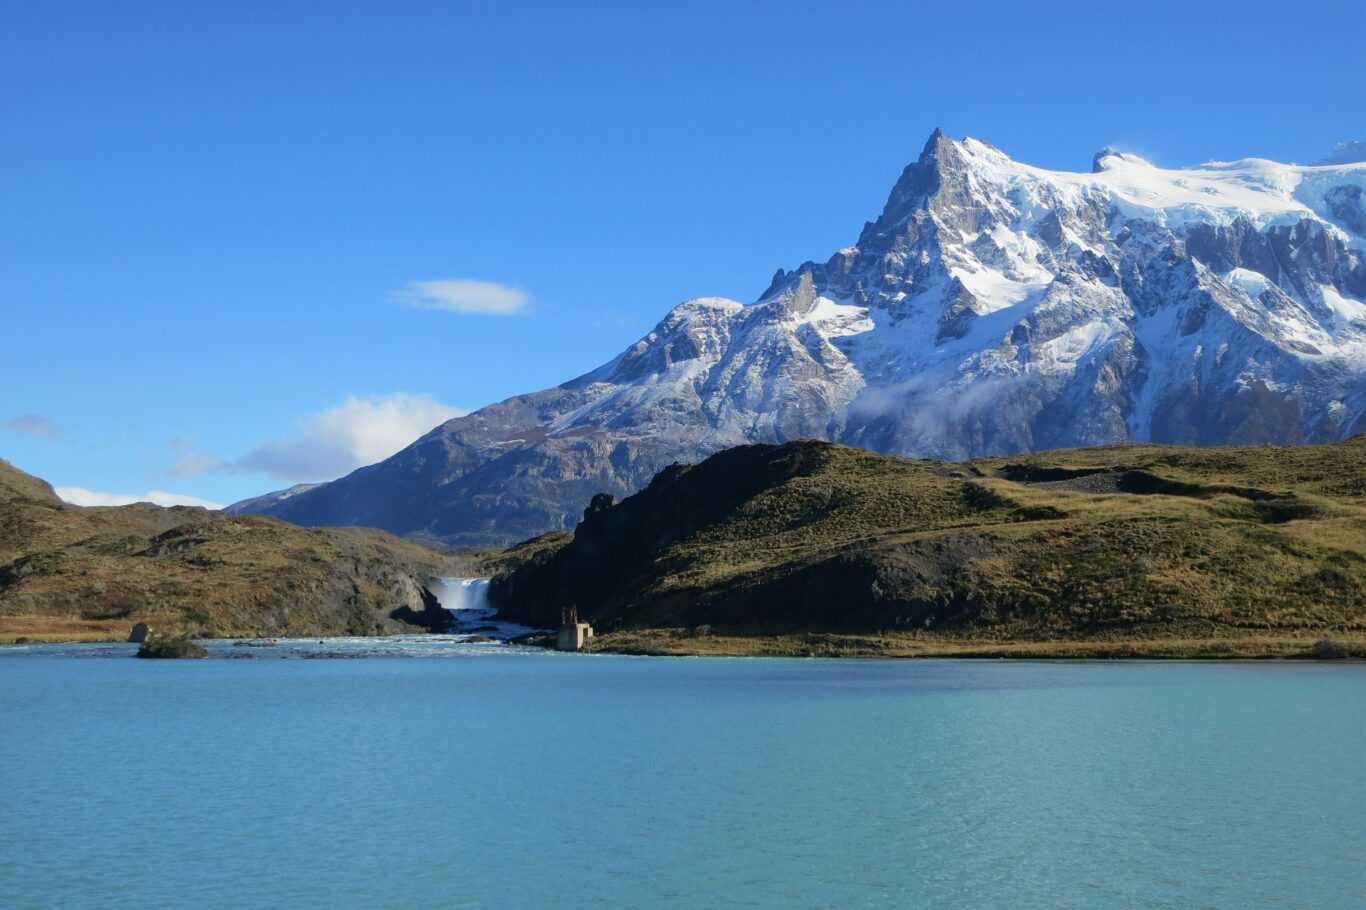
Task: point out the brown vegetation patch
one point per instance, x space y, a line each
72 573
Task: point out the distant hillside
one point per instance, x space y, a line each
14 483
1224 548
68 572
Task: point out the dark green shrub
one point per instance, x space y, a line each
1336 649
172 648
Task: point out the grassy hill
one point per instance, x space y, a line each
816 548
68 572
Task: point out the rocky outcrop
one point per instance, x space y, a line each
432 617
172 649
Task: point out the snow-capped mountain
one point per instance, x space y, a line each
264 503
992 307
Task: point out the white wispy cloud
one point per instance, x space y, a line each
463 295
330 443
80 496
35 425
191 463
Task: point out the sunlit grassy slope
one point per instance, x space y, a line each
1111 545
68 572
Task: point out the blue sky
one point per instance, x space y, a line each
245 245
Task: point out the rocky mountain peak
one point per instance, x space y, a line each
939 161
993 307
1098 160
1110 158
1346 153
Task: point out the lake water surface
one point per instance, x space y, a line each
525 779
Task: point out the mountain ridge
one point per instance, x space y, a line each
990 308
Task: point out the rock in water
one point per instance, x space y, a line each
172 648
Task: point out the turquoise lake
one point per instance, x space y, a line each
483 777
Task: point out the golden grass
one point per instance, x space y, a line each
1150 542
72 573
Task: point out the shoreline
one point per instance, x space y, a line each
682 643
1318 646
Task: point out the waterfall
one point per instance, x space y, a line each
462 594
467 599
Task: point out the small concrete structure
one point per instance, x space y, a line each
573 638
573 634
140 633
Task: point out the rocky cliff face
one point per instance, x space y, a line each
991 308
